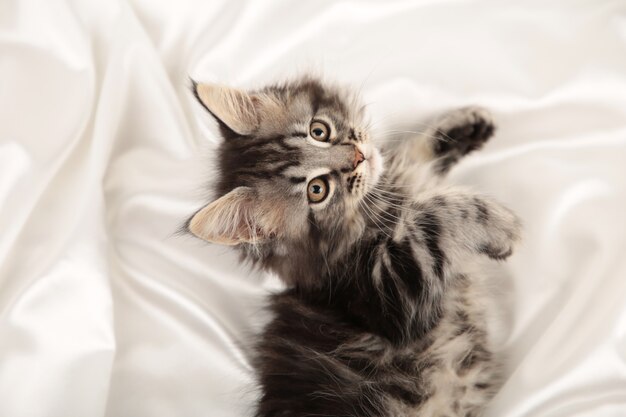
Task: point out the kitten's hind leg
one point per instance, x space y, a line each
457 133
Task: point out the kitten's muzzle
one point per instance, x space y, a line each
358 157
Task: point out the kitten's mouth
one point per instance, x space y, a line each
371 168
375 166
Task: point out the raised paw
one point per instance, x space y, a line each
460 132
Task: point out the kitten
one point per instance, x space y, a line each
383 314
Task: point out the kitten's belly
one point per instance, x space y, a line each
451 372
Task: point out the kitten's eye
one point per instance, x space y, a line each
320 131
317 190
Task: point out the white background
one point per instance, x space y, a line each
104 311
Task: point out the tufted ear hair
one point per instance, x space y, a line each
230 106
237 217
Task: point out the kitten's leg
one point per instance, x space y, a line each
458 133
469 222
445 140
427 247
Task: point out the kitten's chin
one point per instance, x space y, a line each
375 167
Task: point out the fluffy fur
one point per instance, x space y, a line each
383 314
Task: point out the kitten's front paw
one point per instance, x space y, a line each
498 254
463 130
503 229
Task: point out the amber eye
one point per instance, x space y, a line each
317 190
320 131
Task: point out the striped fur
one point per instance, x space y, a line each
384 314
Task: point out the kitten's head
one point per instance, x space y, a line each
294 165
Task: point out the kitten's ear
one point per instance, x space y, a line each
237 217
234 108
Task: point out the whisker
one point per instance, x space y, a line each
369 214
389 216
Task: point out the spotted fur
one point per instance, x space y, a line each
383 314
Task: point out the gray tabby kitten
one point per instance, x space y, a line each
383 314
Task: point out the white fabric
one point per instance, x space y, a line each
105 311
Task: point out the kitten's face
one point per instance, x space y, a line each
301 158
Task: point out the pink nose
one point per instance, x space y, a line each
358 157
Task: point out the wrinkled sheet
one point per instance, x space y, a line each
105 311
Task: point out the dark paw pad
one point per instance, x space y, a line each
463 131
471 137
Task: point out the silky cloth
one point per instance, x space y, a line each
106 311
